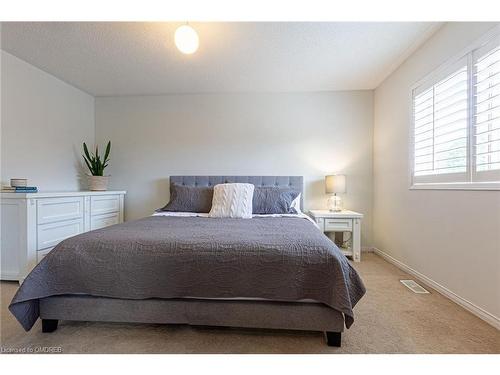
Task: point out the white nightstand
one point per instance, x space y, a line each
343 221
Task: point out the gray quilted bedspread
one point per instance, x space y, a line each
281 258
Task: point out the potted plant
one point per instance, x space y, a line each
97 180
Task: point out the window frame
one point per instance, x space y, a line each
447 181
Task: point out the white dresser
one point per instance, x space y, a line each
33 223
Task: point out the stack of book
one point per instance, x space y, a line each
19 189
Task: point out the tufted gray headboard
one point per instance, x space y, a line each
294 182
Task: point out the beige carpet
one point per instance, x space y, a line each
389 319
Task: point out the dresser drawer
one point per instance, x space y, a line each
49 235
101 221
50 210
103 204
41 254
338 225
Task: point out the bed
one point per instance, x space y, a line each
265 272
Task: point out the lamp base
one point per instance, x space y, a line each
334 204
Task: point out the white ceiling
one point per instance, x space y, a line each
107 58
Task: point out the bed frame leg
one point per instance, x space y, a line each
334 339
49 325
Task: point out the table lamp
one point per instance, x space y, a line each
335 184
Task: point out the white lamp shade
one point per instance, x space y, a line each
335 184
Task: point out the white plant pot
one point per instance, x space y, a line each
98 183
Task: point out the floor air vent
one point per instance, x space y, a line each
414 287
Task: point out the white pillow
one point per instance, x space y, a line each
296 204
232 200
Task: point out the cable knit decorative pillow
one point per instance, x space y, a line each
232 200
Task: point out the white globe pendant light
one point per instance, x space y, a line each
186 39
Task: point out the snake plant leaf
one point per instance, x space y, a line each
108 149
88 164
86 150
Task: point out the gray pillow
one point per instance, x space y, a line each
273 200
189 199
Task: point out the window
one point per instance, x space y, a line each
456 122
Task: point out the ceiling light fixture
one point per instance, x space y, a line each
186 39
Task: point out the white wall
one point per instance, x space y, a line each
310 134
44 122
452 237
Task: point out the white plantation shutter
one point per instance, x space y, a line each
456 121
440 114
486 118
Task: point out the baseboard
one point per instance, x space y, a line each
469 306
9 276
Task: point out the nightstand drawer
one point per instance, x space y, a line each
338 225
